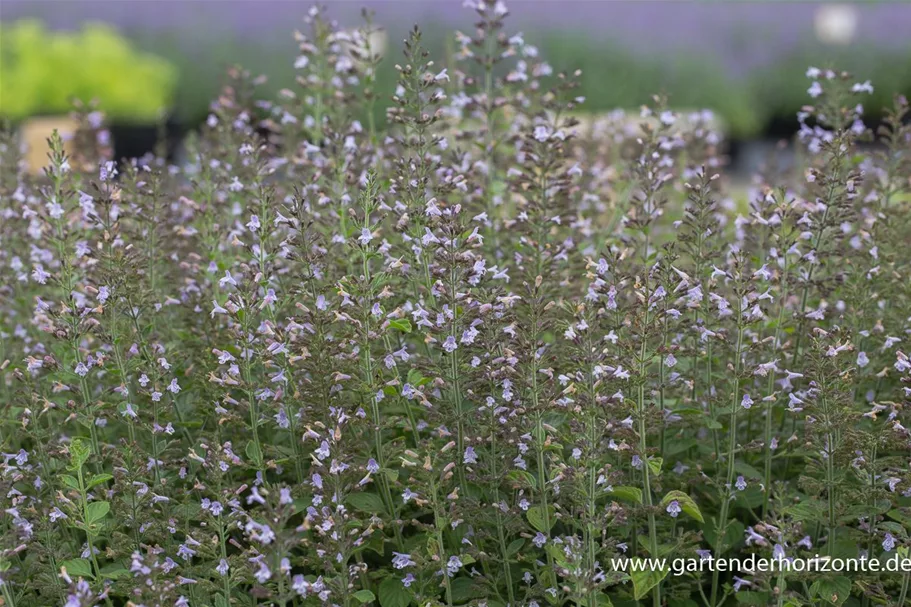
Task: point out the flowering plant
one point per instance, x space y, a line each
481 358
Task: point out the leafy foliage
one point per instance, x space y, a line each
44 71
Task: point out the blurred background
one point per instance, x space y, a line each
744 60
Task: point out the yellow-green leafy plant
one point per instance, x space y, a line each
43 71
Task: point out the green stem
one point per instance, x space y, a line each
85 518
767 472
906 584
441 551
732 446
643 450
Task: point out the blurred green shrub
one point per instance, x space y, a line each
780 90
615 77
746 105
44 70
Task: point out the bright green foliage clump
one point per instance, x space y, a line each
44 71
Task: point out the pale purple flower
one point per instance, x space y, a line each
740 583
450 344
401 560
470 456
56 514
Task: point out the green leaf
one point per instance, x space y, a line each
844 546
189 510
514 547
751 497
464 589
834 590
522 479
96 511
415 378
747 470
536 517
901 516
688 411
366 502
556 553
809 510
732 535
643 581
402 324
628 494
753 599
77 568
114 571
393 593
254 453
390 391
364 596
861 510
679 446
601 600
79 454
98 479
893 527
70 481
654 464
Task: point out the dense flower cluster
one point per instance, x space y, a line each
470 359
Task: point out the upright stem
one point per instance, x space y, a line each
767 473
643 450
85 518
906 584
539 440
721 529
374 405
456 388
441 550
830 474
592 473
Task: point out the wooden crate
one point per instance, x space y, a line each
36 131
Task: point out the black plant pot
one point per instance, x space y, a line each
135 140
